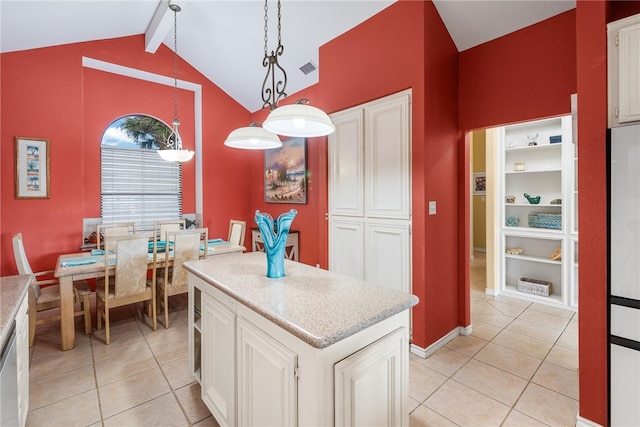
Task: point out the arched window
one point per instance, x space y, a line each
135 183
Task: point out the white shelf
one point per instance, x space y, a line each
525 172
535 147
529 205
512 290
533 258
539 232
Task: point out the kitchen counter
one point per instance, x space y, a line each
317 306
12 291
312 345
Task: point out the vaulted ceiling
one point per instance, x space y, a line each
224 39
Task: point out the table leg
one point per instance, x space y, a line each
67 329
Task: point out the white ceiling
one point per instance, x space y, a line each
224 39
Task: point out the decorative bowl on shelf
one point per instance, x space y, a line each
533 200
556 202
513 221
510 199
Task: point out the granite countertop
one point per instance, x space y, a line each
12 290
317 306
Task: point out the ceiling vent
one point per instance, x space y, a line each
309 67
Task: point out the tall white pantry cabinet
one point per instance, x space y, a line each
370 192
538 241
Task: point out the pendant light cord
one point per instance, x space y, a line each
175 9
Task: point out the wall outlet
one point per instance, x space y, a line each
432 207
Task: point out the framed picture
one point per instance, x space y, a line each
32 168
285 172
479 183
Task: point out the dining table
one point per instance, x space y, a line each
91 265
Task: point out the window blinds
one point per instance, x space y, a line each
137 185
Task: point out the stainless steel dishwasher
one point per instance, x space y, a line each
9 381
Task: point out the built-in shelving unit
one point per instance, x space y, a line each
538 159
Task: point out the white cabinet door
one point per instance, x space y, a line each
629 73
387 254
346 164
387 154
267 392
623 60
346 240
371 386
22 356
218 360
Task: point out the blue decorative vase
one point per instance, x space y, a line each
274 237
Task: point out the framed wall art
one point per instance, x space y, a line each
32 168
479 183
285 172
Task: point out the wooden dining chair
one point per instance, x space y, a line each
188 245
44 294
114 229
237 231
129 284
161 227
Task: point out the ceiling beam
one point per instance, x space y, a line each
160 25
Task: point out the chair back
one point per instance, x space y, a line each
115 229
188 245
161 227
236 232
131 256
20 255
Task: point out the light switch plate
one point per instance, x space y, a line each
432 207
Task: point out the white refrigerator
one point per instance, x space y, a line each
624 275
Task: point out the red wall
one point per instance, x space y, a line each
407 46
525 75
46 93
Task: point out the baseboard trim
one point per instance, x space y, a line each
492 292
583 422
426 352
465 330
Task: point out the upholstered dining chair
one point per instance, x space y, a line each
129 284
188 245
114 229
237 231
44 294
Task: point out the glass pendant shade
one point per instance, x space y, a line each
299 120
252 138
175 153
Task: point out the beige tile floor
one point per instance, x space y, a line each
517 368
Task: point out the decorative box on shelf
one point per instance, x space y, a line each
545 220
534 286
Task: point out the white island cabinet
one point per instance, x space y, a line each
313 348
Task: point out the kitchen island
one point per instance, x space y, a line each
311 348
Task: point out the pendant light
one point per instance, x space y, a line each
299 119
253 137
174 151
